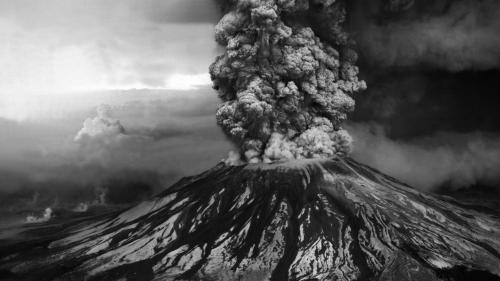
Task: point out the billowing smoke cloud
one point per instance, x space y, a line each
451 160
447 34
286 78
103 126
103 140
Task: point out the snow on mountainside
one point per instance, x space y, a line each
302 220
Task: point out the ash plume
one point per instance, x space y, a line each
443 34
286 78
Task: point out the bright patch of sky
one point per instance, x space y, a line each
147 59
60 46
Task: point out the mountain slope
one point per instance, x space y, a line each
303 220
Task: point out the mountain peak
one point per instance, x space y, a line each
332 219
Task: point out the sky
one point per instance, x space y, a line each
115 95
144 61
60 46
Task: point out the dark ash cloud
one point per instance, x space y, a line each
418 102
286 83
446 34
432 69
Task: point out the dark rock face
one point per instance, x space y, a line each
303 220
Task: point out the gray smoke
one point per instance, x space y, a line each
286 81
448 34
444 159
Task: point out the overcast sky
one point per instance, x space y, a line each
62 60
61 46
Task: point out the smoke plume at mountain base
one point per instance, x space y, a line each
45 217
286 78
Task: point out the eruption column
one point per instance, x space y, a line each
286 78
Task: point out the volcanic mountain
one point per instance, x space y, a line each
331 219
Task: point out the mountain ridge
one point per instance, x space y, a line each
332 219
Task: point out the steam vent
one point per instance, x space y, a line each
299 220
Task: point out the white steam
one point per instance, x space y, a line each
99 200
103 126
82 207
45 217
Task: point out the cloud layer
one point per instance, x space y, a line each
444 159
139 144
94 45
452 35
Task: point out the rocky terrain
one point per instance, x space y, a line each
299 220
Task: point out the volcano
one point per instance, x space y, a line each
331 219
